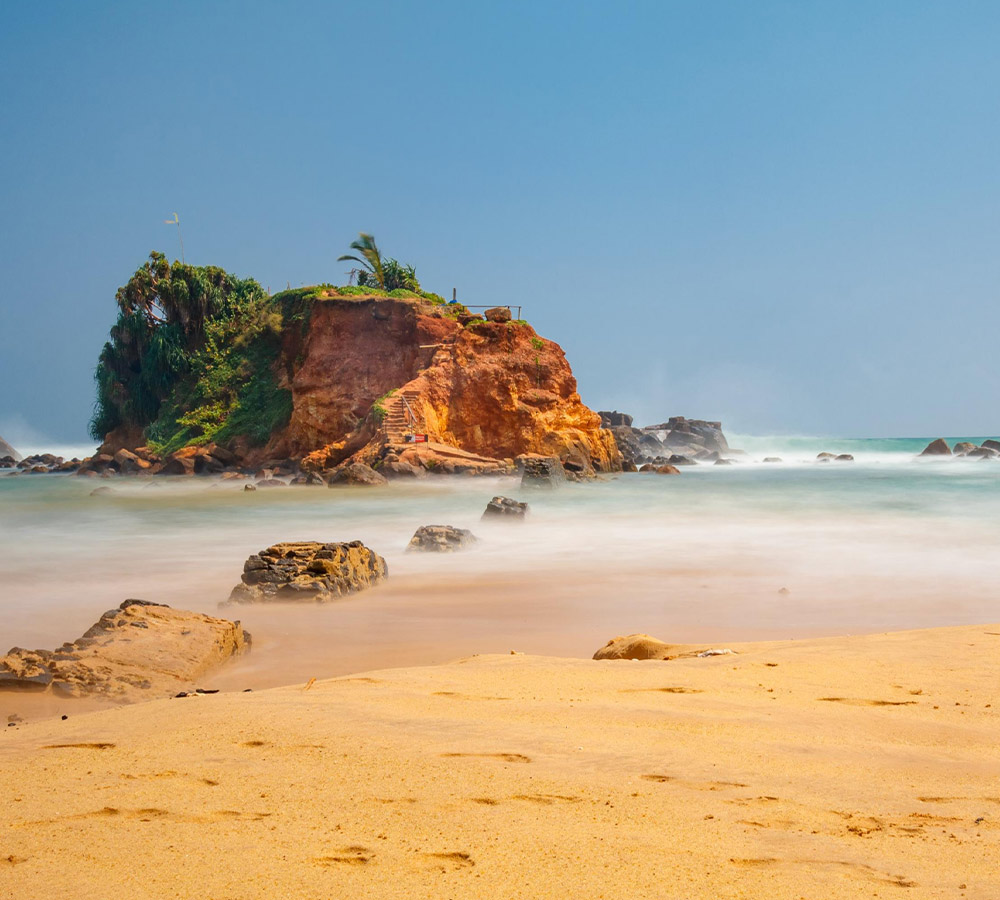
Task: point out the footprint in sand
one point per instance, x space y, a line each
93 746
450 862
852 701
349 856
546 799
506 757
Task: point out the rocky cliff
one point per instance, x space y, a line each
8 452
359 376
369 372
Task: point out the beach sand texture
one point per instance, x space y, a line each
829 768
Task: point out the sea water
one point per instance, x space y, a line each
719 553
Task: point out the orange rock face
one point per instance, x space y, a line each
494 389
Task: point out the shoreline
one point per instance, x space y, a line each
832 766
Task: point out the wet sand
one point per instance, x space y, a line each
831 767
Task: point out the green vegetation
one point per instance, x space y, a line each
191 357
378 407
537 343
384 273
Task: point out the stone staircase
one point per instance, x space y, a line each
398 421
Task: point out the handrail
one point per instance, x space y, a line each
498 306
409 411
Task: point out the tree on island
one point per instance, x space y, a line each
388 274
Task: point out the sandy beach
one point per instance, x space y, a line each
862 766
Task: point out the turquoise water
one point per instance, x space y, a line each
747 551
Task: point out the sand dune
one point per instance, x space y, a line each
831 768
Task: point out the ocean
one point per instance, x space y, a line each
716 554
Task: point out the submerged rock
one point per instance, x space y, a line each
506 508
138 651
310 571
356 473
440 539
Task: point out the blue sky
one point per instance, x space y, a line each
781 214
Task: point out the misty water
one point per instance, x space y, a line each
717 554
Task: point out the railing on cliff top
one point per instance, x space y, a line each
498 306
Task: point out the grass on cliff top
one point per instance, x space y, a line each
328 291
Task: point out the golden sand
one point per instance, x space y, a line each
829 768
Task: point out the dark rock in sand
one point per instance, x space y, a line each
309 571
504 507
937 448
139 651
440 539
356 474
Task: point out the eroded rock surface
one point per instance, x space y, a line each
440 539
309 571
139 651
504 507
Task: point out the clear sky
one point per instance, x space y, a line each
781 214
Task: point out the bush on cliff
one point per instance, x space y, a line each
191 358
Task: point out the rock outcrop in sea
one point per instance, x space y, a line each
309 571
6 451
139 651
678 441
440 539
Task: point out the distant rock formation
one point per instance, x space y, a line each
678 441
937 448
136 652
7 451
310 571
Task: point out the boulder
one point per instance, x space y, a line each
130 463
309 570
844 457
504 507
7 462
541 471
664 469
991 445
983 453
356 473
636 646
684 436
308 479
6 450
963 447
826 455
497 314
937 448
678 460
724 462
178 465
440 539
615 419
139 651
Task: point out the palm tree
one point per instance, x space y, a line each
370 257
